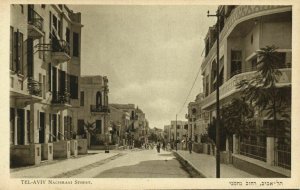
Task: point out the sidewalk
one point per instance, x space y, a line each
206 166
60 167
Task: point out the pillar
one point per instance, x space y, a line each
270 150
235 142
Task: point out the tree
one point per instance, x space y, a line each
236 116
262 90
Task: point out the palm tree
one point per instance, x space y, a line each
262 90
90 129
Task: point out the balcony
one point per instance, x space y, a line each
229 87
60 51
32 94
97 109
238 15
35 24
60 100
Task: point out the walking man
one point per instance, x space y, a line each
190 145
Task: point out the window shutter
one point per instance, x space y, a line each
49 76
15 52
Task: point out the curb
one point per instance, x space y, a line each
178 156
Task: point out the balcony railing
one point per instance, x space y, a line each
35 19
229 87
60 46
59 97
99 109
238 15
34 87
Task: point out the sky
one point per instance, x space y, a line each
151 54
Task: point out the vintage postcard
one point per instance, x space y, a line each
150 95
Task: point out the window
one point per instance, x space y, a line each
98 99
74 87
82 98
18 52
75 44
99 126
178 126
254 64
80 127
68 35
30 64
49 76
251 38
55 22
43 6
11 45
22 8
236 62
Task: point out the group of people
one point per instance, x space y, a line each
170 147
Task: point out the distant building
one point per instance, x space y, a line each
179 132
137 128
197 119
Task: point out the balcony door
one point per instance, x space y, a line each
30 59
42 128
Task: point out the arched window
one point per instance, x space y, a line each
98 99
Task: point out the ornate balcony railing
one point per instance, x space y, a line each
35 19
238 15
229 87
60 46
99 109
59 97
34 87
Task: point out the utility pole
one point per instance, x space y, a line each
176 133
218 15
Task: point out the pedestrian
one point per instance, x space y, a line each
158 147
190 145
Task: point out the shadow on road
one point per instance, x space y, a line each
168 168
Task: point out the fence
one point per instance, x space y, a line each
253 149
283 155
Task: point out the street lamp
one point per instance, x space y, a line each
218 15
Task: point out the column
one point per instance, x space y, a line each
25 128
270 150
16 127
235 144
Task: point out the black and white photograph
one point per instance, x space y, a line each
151 92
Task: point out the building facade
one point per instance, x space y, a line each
197 119
137 129
243 31
44 75
93 109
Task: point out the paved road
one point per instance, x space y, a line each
139 164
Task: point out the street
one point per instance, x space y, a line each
136 163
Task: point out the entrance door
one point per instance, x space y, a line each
42 128
20 126
54 127
12 126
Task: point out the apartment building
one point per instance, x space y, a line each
93 108
197 119
44 71
243 31
179 132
